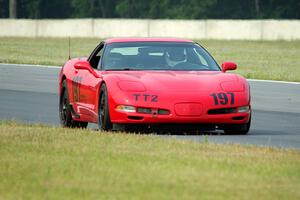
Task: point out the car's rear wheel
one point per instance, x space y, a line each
65 113
104 122
237 129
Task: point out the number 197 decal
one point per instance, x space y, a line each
223 98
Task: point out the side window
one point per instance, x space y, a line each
94 59
99 54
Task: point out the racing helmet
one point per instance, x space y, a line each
175 55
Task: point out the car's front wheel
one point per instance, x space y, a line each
65 113
237 129
104 122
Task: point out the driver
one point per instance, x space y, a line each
175 56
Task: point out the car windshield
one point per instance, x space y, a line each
182 56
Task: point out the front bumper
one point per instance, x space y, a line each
140 118
183 107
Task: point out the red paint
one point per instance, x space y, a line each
228 66
179 92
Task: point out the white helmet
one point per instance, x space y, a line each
175 55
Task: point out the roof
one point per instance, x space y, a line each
149 39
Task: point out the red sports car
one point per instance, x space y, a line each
153 82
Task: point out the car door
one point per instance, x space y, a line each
89 84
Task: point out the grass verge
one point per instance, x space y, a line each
275 60
40 162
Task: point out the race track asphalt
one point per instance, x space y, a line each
29 94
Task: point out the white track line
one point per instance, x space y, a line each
58 67
29 65
272 81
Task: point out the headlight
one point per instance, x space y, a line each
131 86
243 109
232 86
124 108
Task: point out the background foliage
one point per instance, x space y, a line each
155 9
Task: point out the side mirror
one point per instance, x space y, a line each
84 65
228 66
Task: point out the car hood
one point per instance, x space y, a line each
188 81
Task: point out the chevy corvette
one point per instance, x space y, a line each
153 82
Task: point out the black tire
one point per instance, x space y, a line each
65 113
237 129
104 122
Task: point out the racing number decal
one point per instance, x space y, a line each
146 97
223 98
76 81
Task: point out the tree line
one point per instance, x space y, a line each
151 9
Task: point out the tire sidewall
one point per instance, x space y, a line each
64 94
106 125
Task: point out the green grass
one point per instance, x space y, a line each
276 60
40 162
273 60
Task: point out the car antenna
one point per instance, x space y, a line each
69 48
